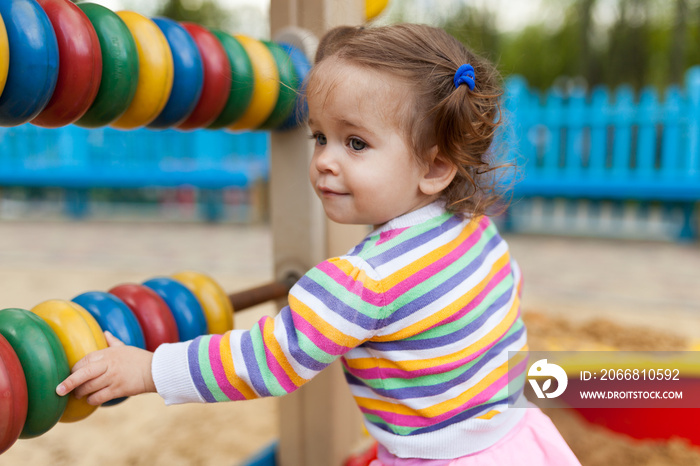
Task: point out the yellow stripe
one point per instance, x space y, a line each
273 345
489 415
419 264
321 325
349 270
230 370
445 406
448 311
410 269
416 364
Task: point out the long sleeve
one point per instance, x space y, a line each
335 307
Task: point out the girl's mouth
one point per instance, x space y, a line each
330 192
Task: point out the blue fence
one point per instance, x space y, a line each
603 145
609 145
73 157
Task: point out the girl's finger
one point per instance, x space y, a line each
79 377
89 358
91 386
112 340
100 397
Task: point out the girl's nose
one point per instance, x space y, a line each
325 161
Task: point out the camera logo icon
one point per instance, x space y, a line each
541 369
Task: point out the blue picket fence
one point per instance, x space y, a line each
75 158
607 145
601 145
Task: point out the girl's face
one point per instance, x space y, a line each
362 167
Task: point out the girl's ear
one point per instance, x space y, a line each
440 173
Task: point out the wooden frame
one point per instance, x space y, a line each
319 423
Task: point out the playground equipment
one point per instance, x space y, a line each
302 239
38 347
62 64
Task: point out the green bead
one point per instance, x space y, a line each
120 67
44 363
242 81
289 84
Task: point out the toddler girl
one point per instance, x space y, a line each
425 310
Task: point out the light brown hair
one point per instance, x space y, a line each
462 123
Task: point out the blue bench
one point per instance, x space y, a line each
608 146
78 159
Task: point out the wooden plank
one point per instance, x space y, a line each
599 128
622 140
670 148
553 114
575 118
319 423
646 138
691 159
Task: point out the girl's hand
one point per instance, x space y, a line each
110 373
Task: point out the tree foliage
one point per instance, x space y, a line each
207 13
638 42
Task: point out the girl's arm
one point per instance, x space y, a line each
333 308
114 372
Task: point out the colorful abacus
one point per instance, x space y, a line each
38 347
62 64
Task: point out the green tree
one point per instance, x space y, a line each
678 41
206 13
476 28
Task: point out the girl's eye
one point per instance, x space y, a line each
357 144
320 139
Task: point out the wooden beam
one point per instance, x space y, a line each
319 423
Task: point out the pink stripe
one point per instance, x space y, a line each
376 299
406 420
218 368
389 235
319 339
436 267
355 287
275 366
493 283
378 373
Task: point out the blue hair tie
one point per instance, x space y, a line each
465 75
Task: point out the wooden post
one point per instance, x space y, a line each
320 423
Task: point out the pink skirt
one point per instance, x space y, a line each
534 441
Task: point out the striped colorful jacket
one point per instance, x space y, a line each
423 313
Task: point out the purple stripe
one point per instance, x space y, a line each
393 372
435 267
444 287
432 390
217 368
293 343
412 243
195 373
457 414
477 410
495 281
274 366
319 339
348 282
251 364
357 249
336 305
428 343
